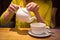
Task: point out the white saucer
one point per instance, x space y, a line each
46 34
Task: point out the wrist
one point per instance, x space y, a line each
39 18
10 13
36 12
7 15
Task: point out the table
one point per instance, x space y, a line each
22 34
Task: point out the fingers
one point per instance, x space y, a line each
28 5
13 8
32 6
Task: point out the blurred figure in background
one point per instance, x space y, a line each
41 9
54 10
56 14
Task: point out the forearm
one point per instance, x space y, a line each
39 18
6 17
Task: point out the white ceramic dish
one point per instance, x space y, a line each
46 34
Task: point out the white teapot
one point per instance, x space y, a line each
23 15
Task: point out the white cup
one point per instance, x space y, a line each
38 28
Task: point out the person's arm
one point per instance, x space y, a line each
38 16
3 6
6 16
34 7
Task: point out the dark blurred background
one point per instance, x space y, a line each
3 5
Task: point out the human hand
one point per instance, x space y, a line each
13 8
32 7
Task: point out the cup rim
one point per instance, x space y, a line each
33 24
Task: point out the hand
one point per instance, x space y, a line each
32 7
13 8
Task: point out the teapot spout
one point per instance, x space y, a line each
32 19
